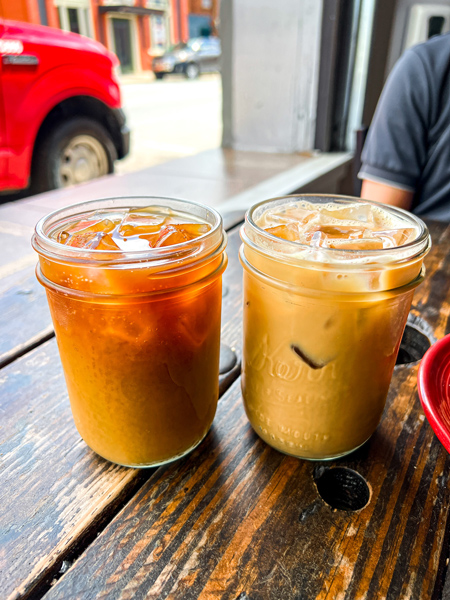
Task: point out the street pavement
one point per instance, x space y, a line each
171 118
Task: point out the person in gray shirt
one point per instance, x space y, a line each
406 157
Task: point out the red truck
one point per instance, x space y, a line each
61 121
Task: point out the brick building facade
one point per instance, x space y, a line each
203 17
136 30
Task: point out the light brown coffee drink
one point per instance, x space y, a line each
328 284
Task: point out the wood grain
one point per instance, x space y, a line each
16 247
56 493
52 485
24 315
237 519
431 299
25 320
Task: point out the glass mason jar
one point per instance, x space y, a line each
322 329
138 333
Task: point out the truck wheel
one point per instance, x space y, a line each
159 75
73 152
192 71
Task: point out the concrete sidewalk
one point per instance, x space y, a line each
142 77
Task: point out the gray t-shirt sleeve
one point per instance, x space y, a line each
395 149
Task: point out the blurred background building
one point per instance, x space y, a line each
296 75
136 30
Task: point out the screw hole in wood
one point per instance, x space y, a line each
342 488
413 346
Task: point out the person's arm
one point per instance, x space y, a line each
387 194
395 151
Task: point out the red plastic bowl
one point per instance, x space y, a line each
433 382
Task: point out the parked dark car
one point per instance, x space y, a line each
198 55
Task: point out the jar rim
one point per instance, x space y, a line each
420 245
50 248
326 293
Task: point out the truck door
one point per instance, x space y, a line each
20 70
4 149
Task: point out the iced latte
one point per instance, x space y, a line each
134 289
328 284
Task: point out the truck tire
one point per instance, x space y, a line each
74 151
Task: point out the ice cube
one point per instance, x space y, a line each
193 230
286 232
361 213
396 237
136 223
106 242
63 237
169 236
355 226
342 231
97 226
318 239
85 234
149 238
297 214
361 244
83 240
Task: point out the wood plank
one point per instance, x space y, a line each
226 163
24 316
16 253
54 488
25 320
21 213
431 299
239 520
58 493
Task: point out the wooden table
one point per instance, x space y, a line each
235 519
